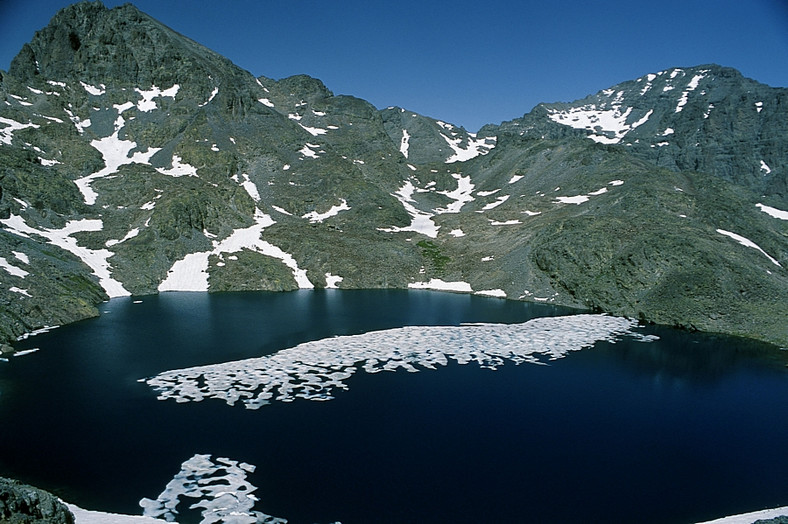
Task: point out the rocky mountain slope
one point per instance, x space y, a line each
135 161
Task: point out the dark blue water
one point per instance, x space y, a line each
688 428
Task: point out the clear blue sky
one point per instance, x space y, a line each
465 62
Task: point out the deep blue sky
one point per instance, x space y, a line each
465 62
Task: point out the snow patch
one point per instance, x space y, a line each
332 281
7 132
178 168
500 200
96 259
498 293
191 272
608 126
439 285
316 218
421 222
147 104
747 242
404 143
773 211
93 90
12 269
265 102
457 233
461 195
765 168
115 153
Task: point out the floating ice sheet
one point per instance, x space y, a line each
220 490
313 370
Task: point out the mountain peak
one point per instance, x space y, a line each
89 42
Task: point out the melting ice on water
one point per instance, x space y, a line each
313 370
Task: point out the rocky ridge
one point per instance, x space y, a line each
135 161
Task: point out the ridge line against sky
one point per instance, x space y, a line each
472 63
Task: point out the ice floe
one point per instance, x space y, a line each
750 518
218 488
313 370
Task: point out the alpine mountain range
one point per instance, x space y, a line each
135 161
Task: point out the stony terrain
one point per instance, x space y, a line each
23 504
135 161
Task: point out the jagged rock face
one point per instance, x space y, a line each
23 504
706 118
133 160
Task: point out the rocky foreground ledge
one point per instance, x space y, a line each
23 504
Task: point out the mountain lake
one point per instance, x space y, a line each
517 413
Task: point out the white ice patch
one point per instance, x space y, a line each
773 211
313 370
404 143
7 132
219 488
608 126
316 218
12 269
191 272
421 222
96 259
749 243
115 153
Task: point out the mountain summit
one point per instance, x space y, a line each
136 161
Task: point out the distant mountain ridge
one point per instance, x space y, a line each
134 161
